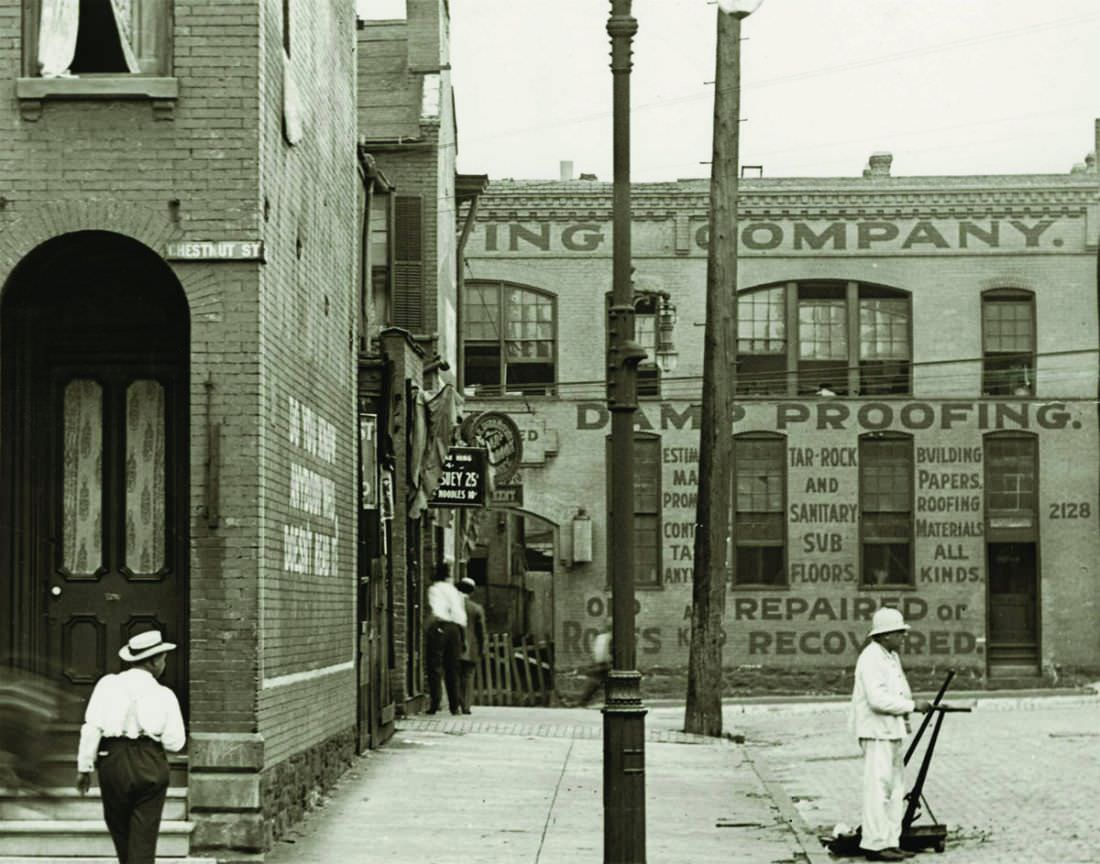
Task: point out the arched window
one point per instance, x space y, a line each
1008 342
844 338
509 335
759 505
886 509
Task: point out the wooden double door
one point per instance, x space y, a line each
110 500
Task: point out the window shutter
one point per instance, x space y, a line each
408 276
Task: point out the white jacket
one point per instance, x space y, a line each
881 699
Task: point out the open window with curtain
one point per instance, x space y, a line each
1008 343
99 37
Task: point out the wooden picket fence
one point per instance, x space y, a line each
514 672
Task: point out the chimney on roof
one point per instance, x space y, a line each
878 165
566 170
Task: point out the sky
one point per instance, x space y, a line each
946 86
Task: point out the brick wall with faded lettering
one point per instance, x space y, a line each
894 232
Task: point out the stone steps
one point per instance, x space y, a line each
38 838
64 802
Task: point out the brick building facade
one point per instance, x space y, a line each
915 420
190 346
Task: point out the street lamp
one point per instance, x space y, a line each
623 713
667 356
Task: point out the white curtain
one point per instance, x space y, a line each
58 23
123 21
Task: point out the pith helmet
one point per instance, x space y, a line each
887 620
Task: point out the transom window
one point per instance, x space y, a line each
759 524
850 338
886 509
1008 343
509 339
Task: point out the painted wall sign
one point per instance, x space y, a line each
859 416
497 433
464 481
809 237
215 250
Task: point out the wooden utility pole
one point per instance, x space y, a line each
713 523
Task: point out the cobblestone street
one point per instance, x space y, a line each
1015 782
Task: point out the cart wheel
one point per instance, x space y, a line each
939 848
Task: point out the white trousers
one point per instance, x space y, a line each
883 792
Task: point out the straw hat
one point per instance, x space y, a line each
145 645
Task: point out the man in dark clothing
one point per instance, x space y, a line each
445 639
475 642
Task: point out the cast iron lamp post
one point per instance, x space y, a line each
623 713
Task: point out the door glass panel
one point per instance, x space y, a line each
145 511
82 481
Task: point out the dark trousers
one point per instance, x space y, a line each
133 781
444 649
466 681
597 680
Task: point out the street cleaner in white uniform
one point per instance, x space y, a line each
881 705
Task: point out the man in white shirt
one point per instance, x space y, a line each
445 640
881 704
129 723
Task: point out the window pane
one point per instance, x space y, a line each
379 230
761 374
883 377
1011 482
760 565
758 467
82 482
1007 325
822 330
647 475
482 368
886 564
646 552
884 329
886 473
480 311
761 322
531 379
1008 375
145 492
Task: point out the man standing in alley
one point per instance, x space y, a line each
130 722
446 638
881 704
475 642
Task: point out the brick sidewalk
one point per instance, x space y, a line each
1014 787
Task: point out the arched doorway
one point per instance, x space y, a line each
94 349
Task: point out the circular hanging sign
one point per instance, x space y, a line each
499 434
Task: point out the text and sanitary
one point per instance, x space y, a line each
818 603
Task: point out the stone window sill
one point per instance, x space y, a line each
162 92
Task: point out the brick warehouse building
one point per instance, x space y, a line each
916 418
186 318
